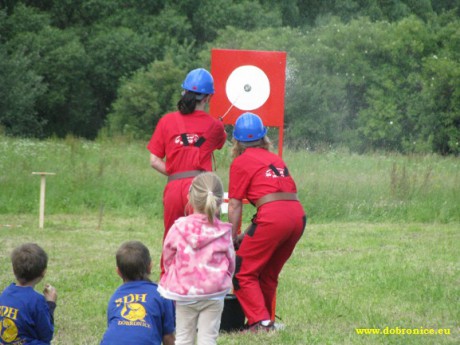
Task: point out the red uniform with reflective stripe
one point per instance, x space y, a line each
251 176
276 229
166 142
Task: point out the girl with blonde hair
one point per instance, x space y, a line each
199 261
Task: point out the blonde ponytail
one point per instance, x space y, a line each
206 195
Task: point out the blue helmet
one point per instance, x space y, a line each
200 81
249 127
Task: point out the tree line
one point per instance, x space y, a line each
364 74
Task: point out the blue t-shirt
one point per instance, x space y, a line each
137 314
25 317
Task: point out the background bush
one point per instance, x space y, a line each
363 74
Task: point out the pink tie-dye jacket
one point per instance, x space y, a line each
199 259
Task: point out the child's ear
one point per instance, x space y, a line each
119 273
149 269
40 278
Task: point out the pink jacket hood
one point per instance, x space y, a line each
199 259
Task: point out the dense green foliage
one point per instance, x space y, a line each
366 74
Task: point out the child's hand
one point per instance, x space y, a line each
237 241
50 293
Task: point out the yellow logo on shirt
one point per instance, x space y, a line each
8 330
133 310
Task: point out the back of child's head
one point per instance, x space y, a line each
29 262
206 194
133 261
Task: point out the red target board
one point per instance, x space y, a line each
248 81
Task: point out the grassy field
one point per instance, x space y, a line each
115 176
380 250
342 276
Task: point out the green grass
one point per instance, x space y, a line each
380 187
341 276
380 249
333 186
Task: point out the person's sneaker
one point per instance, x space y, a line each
259 327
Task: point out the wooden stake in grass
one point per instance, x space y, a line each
42 196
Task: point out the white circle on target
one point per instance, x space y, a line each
247 87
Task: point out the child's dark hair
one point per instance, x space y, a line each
133 261
206 194
187 103
29 262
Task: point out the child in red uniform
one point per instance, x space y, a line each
263 178
187 139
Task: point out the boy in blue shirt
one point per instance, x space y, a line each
136 313
26 316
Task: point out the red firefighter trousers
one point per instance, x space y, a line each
175 205
264 250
